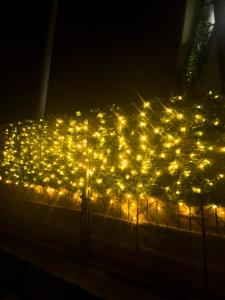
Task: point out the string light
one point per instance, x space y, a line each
175 149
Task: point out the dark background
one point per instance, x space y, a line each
23 281
104 53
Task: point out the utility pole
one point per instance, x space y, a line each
48 59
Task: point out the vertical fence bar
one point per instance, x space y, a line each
216 220
167 213
156 215
190 245
85 227
137 237
85 209
120 203
147 216
204 255
128 209
218 254
190 225
178 215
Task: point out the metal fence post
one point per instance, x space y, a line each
167 213
190 225
178 215
85 207
218 251
147 217
216 220
137 238
204 255
128 209
120 203
156 208
85 228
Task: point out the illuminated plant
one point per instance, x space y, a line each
174 151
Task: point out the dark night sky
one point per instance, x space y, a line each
104 52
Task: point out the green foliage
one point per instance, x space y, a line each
199 44
173 151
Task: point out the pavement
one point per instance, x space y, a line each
68 269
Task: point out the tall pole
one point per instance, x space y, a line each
85 208
137 236
48 59
204 255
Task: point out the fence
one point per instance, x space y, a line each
170 242
154 211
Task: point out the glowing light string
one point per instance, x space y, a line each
174 152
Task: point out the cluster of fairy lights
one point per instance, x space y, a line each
173 152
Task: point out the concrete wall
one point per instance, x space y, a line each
149 251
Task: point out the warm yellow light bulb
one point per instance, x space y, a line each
139 157
146 104
143 124
143 138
